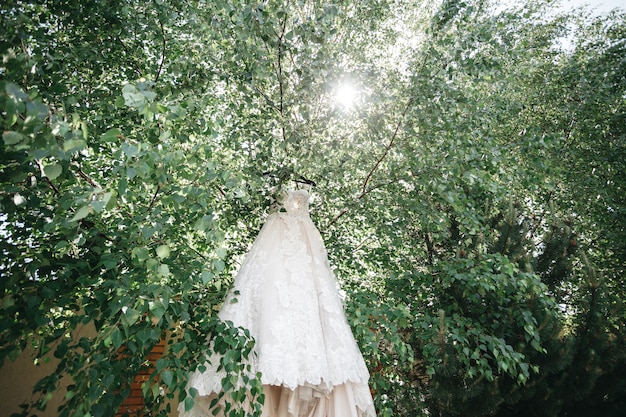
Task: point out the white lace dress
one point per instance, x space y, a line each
288 298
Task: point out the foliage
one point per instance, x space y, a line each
471 198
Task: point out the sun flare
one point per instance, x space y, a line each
346 95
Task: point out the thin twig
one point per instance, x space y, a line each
154 197
196 251
54 187
88 178
265 96
158 75
339 216
220 190
302 180
360 245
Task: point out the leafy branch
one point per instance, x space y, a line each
281 106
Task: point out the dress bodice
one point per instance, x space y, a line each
296 203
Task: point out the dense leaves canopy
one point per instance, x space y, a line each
471 196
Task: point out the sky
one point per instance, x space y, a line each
600 6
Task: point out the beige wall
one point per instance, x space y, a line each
17 379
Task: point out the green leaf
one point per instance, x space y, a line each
53 171
141 253
98 205
112 135
130 316
163 251
157 308
116 337
73 145
12 138
14 90
167 377
81 213
218 265
206 277
132 97
164 270
130 150
161 363
109 199
95 391
189 402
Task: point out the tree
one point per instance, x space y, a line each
143 142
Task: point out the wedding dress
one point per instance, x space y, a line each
286 295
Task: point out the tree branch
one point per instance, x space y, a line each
87 178
361 196
154 197
387 148
364 190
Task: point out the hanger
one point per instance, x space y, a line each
286 174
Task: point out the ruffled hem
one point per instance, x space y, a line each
336 378
345 400
210 381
